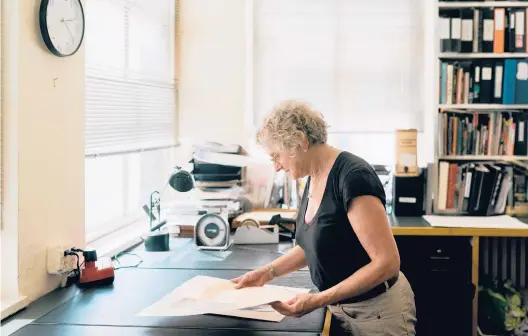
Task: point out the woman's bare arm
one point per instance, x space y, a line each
370 223
292 261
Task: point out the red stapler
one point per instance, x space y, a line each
94 273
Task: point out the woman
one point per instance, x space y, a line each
342 235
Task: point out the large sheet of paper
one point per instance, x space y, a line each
487 222
210 295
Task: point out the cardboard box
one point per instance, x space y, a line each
407 153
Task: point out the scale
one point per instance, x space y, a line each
212 232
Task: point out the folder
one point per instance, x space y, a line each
520 30
467 31
521 144
521 82
486 82
488 29
509 34
477 30
456 32
445 32
476 70
510 68
498 74
498 39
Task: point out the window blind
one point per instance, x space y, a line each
358 62
130 93
1 127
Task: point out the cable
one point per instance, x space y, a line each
74 275
116 258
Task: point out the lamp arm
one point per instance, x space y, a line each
154 202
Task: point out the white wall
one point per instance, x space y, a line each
213 63
215 59
43 147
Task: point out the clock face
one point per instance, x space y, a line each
62 25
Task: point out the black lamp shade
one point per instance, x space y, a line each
181 180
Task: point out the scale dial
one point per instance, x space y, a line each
212 231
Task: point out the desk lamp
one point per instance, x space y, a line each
181 181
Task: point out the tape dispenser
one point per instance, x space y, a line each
251 231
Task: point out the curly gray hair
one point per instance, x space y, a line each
291 123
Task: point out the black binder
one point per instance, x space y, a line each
467 30
521 132
521 82
445 32
488 29
486 82
498 78
509 34
456 31
520 30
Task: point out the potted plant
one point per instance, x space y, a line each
501 309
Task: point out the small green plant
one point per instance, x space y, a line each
501 310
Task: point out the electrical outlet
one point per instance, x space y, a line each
70 262
57 262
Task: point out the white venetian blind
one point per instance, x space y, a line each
130 85
358 62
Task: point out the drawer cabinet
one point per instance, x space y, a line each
439 270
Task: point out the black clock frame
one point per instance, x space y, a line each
43 21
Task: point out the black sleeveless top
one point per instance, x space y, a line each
332 249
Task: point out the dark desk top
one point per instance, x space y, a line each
77 330
184 255
136 289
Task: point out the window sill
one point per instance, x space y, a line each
11 306
119 240
127 236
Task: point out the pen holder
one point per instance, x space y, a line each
157 242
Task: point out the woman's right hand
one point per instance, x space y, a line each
255 278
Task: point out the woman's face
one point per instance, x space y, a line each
290 162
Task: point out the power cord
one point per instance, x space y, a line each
75 274
116 258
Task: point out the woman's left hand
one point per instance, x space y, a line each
300 305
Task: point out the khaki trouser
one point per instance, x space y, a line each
388 314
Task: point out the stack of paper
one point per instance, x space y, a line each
209 295
487 222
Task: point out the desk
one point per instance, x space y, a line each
184 255
115 308
408 231
68 316
69 330
417 226
406 227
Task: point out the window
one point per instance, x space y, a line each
358 62
130 129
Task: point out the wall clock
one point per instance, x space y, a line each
62 26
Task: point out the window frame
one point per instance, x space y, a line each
130 218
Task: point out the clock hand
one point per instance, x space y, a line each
68 28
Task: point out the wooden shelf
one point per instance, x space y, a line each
483 157
454 55
483 4
481 111
484 106
520 161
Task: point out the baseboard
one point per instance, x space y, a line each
11 306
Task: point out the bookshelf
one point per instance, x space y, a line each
482 112
448 55
480 4
481 117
